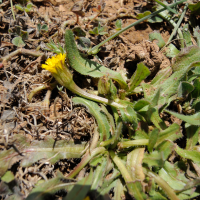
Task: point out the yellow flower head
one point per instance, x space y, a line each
55 63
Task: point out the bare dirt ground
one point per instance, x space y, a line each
50 112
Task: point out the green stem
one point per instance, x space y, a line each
131 143
95 48
11 4
178 24
75 89
165 6
85 161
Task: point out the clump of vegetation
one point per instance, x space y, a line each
130 152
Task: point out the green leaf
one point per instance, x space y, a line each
94 109
39 27
28 7
157 36
154 159
95 31
141 103
172 133
81 188
129 116
196 34
19 7
165 148
17 41
118 24
85 66
171 51
44 27
191 119
99 174
184 89
192 136
141 15
188 58
187 36
134 164
84 44
172 181
196 91
195 8
152 139
46 189
8 177
188 154
140 74
155 19
36 150
78 31
24 35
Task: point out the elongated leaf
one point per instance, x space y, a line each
36 150
192 136
188 58
140 74
85 66
81 188
154 159
191 119
189 154
152 139
184 89
94 109
187 36
171 133
46 189
134 164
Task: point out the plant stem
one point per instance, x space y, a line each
95 48
165 6
131 143
75 89
178 24
11 4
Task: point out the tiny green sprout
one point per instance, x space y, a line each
27 8
99 30
118 25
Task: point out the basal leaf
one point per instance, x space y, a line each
191 119
85 66
134 164
188 154
36 150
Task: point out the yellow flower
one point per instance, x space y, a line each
55 64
